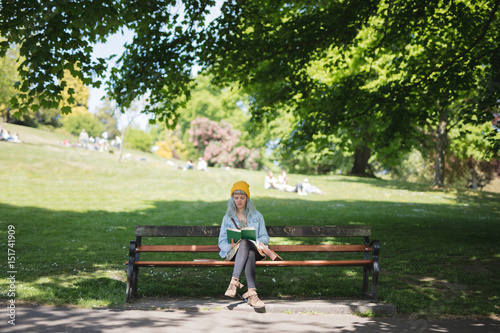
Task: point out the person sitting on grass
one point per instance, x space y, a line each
6 135
270 182
284 186
189 165
15 138
202 165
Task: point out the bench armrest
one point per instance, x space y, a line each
375 245
132 250
375 248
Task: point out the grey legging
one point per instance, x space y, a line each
245 257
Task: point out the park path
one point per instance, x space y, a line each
235 318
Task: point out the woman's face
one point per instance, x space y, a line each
240 200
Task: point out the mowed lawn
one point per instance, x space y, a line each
74 213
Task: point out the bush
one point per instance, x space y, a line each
137 139
74 123
218 144
171 146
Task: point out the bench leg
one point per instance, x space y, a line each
132 273
376 270
135 279
366 277
129 282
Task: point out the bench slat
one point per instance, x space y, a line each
176 231
277 248
320 248
273 231
224 263
320 231
178 248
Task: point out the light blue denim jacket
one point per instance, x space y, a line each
256 220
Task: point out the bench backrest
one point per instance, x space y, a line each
273 231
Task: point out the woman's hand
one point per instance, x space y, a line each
233 244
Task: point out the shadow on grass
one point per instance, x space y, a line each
67 257
377 182
462 195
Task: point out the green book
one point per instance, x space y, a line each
244 233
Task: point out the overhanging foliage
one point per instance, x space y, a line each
389 61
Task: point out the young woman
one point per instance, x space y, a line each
241 213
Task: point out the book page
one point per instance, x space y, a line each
249 233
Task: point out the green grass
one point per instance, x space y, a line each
74 212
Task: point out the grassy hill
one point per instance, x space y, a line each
74 213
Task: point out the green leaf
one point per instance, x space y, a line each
66 110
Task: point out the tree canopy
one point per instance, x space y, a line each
393 64
390 62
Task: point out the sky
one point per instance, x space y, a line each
115 45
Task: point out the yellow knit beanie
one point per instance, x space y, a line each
243 186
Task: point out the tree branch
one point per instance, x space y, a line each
464 52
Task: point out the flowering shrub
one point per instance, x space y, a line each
171 146
218 144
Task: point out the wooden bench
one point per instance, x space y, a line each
369 250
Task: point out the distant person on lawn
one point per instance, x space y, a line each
270 181
84 138
283 178
189 165
241 213
284 186
5 135
202 164
15 138
309 188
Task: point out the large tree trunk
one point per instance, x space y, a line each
361 156
441 145
473 174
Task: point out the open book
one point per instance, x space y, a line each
270 253
249 233
244 233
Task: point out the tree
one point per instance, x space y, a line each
128 117
390 67
138 139
218 142
325 154
203 131
391 60
168 143
75 93
467 148
8 77
106 115
211 101
75 122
